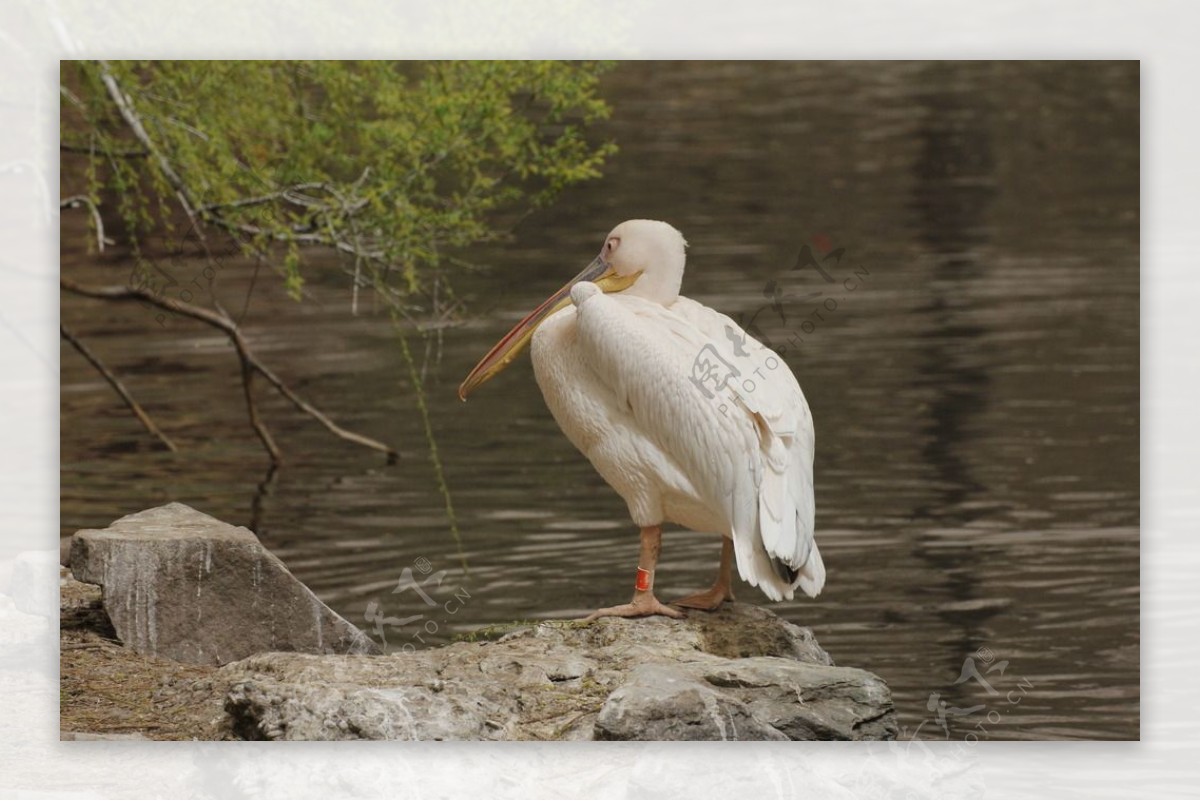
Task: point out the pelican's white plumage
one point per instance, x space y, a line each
617 372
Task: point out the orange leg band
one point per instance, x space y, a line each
643 580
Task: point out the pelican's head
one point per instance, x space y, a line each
639 257
650 251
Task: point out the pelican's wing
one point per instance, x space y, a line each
770 393
729 413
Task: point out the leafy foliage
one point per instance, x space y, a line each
392 163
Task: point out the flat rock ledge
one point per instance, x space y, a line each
271 662
739 674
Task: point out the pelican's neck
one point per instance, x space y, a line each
661 282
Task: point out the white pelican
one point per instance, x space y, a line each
690 420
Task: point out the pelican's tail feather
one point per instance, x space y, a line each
811 578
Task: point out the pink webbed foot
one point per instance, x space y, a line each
640 606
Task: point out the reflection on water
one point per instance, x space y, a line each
975 394
953 188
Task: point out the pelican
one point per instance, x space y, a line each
690 420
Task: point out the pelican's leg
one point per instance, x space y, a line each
722 591
644 603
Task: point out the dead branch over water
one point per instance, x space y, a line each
120 389
250 363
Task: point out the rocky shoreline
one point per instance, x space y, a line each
187 628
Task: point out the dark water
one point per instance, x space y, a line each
975 390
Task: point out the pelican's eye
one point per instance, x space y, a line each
611 245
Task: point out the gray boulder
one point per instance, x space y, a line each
738 674
182 585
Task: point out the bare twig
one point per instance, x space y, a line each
196 132
298 237
265 488
291 194
296 400
250 362
83 201
252 408
116 384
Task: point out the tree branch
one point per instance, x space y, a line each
211 213
298 235
256 422
116 384
291 194
127 112
250 362
76 201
